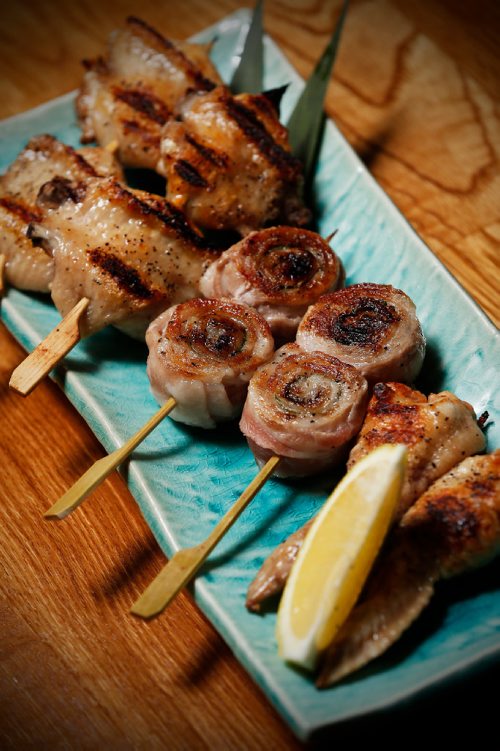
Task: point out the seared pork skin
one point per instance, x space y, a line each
304 407
453 527
279 271
228 163
27 266
132 254
439 432
130 94
373 327
203 353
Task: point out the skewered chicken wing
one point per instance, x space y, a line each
228 163
28 266
129 95
303 407
454 526
132 254
439 432
373 327
279 271
203 353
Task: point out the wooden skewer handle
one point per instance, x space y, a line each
49 352
103 467
185 563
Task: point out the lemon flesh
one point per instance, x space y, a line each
337 555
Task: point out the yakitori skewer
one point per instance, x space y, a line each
202 355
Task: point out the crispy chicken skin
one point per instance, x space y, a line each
438 431
373 327
228 163
279 271
27 266
132 254
304 407
203 353
453 527
131 93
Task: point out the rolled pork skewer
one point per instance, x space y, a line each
439 431
373 327
279 271
127 253
28 266
204 353
130 93
304 407
453 527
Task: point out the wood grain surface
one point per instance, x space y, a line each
416 92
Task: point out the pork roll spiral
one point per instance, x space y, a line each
280 271
203 353
373 327
303 407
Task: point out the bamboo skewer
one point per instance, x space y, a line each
103 467
49 352
186 562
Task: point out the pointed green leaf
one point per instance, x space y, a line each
249 75
306 121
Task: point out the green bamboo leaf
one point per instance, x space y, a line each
249 75
306 121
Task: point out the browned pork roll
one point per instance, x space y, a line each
130 94
279 271
203 353
373 327
303 407
228 163
44 157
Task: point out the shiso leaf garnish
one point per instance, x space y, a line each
249 75
306 122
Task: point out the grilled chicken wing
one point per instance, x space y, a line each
129 95
454 526
373 327
279 271
27 266
303 407
132 254
203 353
439 432
228 163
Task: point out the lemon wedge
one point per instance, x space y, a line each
337 555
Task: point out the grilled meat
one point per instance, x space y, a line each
454 526
132 254
280 271
304 407
204 352
373 327
28 266
131 93
228 163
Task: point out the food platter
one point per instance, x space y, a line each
184 479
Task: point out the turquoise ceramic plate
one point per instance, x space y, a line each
185 479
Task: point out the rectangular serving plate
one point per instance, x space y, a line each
184 479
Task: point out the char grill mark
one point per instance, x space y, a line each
126 277
145 103
190 174
201 83
255 131
366 324
25 213
219 159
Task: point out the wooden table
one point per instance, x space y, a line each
415 92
